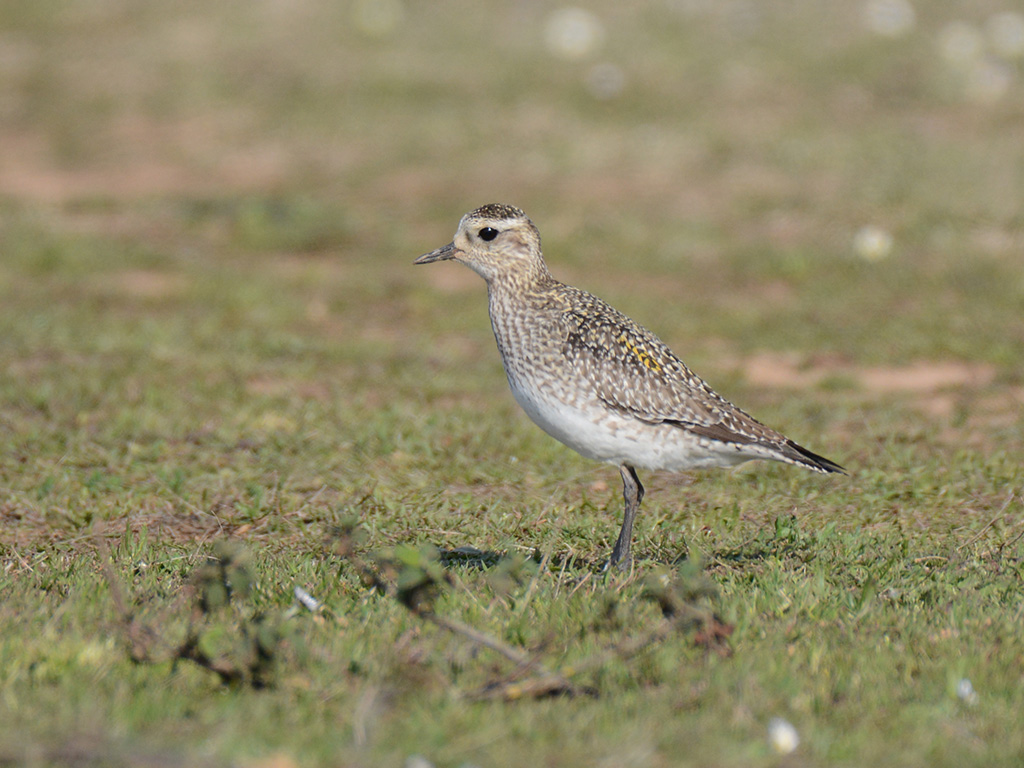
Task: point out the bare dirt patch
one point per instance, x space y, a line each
772 369
141 283
153 158
957 392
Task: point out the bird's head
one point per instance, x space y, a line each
495 241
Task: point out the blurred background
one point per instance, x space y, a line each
680 119
210 210
680 131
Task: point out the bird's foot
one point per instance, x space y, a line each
622 563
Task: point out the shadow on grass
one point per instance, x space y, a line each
471 558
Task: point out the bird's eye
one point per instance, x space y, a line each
488 233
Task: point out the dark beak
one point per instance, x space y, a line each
441 254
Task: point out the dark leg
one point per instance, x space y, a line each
633 493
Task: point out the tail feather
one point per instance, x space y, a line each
811 460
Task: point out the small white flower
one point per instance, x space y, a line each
965 692
782 736
872 243
573 33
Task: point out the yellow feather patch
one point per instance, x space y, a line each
641 354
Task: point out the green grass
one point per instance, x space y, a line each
212 332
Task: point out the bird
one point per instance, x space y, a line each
598 381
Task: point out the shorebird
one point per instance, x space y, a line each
596 380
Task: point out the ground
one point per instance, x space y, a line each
224 380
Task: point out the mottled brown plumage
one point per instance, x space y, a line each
595 379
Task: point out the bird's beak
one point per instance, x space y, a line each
441 254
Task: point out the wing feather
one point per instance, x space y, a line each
632 370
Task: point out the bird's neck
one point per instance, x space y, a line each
531 279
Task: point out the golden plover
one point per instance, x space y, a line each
596 380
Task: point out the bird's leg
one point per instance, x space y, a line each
633 493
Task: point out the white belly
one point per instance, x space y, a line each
604 435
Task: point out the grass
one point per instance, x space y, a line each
214 344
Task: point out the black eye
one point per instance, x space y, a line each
488 233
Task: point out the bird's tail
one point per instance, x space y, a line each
805 458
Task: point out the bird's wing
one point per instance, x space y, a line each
633 371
